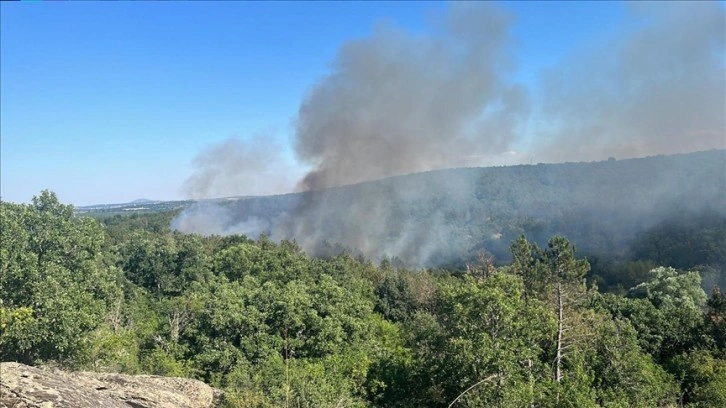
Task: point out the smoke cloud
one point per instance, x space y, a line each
214 218
237 167
659 89
397 103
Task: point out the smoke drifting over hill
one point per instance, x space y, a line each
235 166
659 89
397 103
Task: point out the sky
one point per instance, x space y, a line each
108 102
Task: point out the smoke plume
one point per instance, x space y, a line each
215 218
237 167
397 103
658 89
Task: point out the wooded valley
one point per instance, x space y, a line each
272 326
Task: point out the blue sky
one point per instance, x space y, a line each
108 102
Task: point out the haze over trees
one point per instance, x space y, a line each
626 216
272 326
397 276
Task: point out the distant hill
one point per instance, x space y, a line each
445 217
144 201
136 206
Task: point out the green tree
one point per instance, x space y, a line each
527 261
566 276
553 275
666 310
53 280
483 328
703 378
396 301
163 263
716 319
666 287
623 374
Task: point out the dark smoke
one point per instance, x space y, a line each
397 103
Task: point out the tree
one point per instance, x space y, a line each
716 319
54 280
567 275
703 378
556 277
527 261
482 328
163 263
624 375
666 287
666 312
396 301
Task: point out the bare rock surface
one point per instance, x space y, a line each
22 386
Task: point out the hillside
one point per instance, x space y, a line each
271 326
445 217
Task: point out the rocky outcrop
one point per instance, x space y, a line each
22 386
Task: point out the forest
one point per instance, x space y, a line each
444 218
272 326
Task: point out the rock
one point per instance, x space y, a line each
22 386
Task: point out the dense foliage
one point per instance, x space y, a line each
272 326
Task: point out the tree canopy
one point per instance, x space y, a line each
272 326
